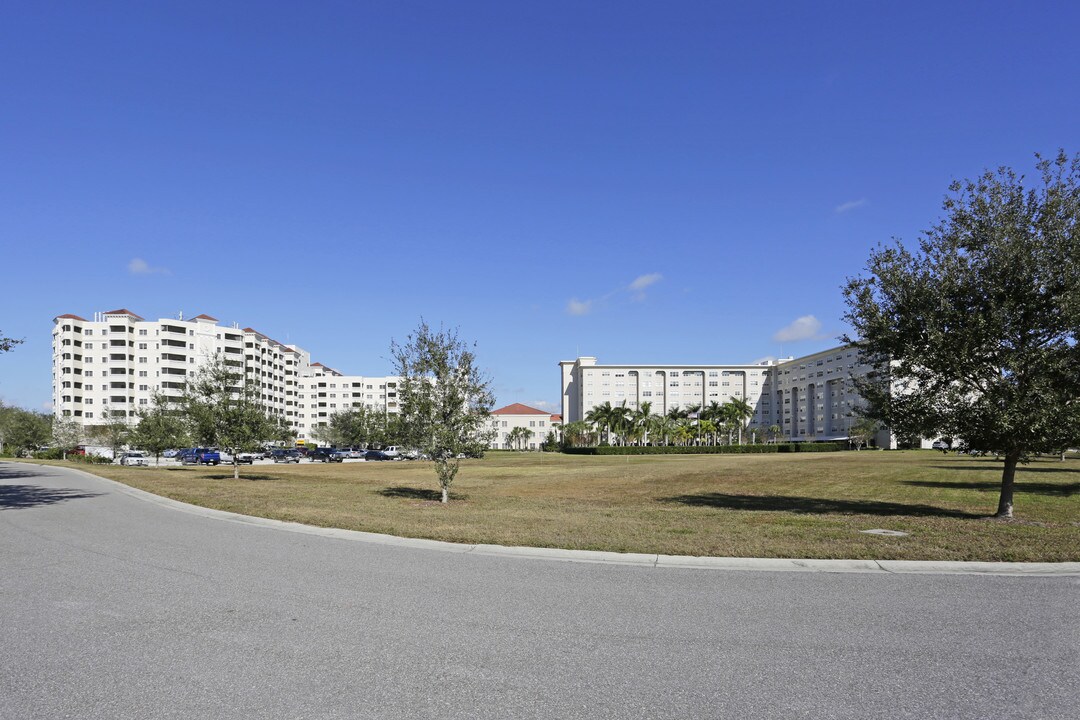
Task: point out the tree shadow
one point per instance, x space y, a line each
998 465
401 491
16 470
243 476
1035 488
814 506
19 497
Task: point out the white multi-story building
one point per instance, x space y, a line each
811 398
116 362
537 422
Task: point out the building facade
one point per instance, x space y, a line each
811 398
537 422
115 362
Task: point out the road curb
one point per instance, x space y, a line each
881 567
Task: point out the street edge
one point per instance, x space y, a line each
898 567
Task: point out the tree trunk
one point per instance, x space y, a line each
1005 503
445 494
235 469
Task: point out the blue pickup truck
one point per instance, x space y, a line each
199 456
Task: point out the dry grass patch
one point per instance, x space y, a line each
725 505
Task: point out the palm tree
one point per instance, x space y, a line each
620 421
600 417
706 427
740 412
577 433
639 421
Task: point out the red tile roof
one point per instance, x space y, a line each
204 317
69 316
556 418
518 409
123 311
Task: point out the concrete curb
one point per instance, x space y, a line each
881 567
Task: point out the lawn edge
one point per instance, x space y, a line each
892 567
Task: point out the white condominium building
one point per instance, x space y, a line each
116 361
811 398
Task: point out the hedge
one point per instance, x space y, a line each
704 449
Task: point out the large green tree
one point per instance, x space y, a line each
445 399
975 332
224 410
22 431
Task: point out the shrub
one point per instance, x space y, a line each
704 449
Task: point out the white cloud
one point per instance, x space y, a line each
545 405
579 307
138 266
636 290
805 328
47 406
643 281
850 205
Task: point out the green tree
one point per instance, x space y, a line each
7 344
113 430
862 432
578 434
975 332
160 427
224 410
445 399
740 412
66 435
25 430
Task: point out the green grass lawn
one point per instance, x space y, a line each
799 505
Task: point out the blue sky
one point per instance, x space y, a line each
642 182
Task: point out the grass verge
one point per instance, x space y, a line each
789 506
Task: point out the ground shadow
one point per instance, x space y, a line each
401 491
243 476
814 506
17 497
1035 488
9 471
1019 468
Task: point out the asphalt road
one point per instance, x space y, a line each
115 607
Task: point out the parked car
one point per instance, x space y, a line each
379 455
940 445
392 450
133 458
285 456
170 453
199 456
245 458
327 455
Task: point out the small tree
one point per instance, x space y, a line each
862 431
113 431
66 435
224 410
976 333
445 399
160 427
